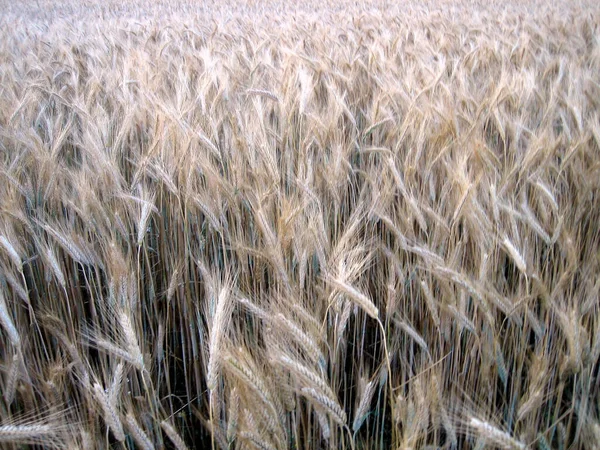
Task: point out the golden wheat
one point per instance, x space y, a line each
245 224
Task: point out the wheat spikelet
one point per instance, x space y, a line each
250 378
515 255
254 309
548 193
323 423
143 221
431 304
173 435
110 414
448 426
413 334
343 320
501 365
173 284
307 374
17 287
10 384
462 319
208 213
7 322
26 433
263 93
220 322
233 415
326 403
306 316
532 403
12 252
86 440
363 407
494 435
359 298
257 441
138 434
114 391
58 273
116 350
535 324
69 245
131 340
534 224
310 346
543 443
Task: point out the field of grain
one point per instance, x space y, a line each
269 225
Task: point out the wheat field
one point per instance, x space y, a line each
320 225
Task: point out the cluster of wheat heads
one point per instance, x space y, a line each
265 226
